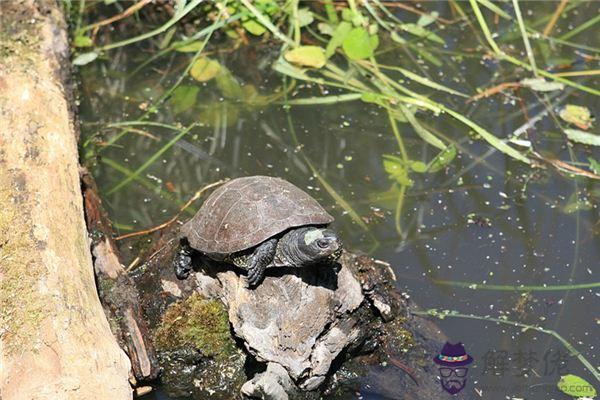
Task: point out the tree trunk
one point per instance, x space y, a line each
55 341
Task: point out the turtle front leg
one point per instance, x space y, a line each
260 259
182 263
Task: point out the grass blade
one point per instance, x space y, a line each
525 37
426 82
488 137
150 160
307 101
516 288
420 130
494 8
571 349
485 28
581 28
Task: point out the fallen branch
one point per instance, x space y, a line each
134 8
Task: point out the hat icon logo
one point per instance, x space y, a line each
452 362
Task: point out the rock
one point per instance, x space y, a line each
301 333
301 321
273 384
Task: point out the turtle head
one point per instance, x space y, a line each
320 245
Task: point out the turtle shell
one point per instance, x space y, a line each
245 212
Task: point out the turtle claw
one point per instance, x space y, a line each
182 263
262 256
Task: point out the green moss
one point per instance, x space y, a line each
22 308
196 322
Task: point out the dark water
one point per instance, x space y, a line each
484 219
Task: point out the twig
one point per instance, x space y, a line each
493 90
133 264
137 6
565 167
186 10
554 19
404 368
195 197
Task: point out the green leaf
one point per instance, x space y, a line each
358 19
305 17
166 40
419 31
594 166
494 8
204 69
418 166
397 38
428 56
583 137
394 166
285 68
576 386
307 56
254 27
577 115
370 97
442 159
85 58
427 82
347 14
219 114
83 41
488 137
542 85
420 130
229 86
325 29
191 47
184 98
339 34
359 45
427 19
374 39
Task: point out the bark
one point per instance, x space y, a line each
117 291
55 341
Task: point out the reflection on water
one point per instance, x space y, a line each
484 219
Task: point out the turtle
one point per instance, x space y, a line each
259 222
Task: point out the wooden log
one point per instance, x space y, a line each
117 290
55 341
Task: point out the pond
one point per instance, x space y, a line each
460 238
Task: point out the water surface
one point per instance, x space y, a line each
484 219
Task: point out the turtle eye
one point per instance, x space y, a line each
323 243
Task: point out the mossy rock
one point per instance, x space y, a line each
199 323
